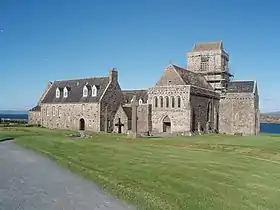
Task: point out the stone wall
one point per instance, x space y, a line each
144 118
143 115
112 98
179 116
68 116
34 118
238 114
215 61
124 120
204 107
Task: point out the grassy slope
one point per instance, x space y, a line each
209 172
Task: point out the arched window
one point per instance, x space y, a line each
209 112
155 102
161 101
94 91
59 111
172 101
166 101
179 101
140 101
57 93
47 111
85 91
53 111
65 92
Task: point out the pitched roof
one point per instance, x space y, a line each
241 87
36 108
192 78
140 94
207 46
75 88
128 111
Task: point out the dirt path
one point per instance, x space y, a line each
30 181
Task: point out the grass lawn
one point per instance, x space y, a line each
203 172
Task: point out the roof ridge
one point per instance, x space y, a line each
243 81
133 89
98 77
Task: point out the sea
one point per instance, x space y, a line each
264 127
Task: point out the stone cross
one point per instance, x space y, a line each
134 106
119 124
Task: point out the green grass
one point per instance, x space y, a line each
203 172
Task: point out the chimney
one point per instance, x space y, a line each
113 74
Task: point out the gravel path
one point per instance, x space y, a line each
29 181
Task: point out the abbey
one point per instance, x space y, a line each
200 98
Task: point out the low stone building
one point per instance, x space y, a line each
199 98
81 104
144 112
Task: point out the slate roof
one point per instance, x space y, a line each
192 78
36 108
75 87
241 87
206 46
140 94
128 111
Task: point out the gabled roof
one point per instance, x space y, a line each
207 46
241 87
190 77
128 111
75 95
140 94
36 108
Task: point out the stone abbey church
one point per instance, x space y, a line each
200 98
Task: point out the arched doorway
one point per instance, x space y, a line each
166 124
209 112
193 121
82 124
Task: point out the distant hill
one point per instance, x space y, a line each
272 113
13 112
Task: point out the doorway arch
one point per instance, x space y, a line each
82 124
193 121
166 123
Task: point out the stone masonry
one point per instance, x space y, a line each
201 98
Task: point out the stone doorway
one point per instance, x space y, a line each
82 124
193 121
166 125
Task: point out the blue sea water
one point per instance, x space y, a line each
270 128
264 127
14 116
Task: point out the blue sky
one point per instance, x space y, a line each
42 41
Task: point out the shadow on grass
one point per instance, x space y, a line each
6 139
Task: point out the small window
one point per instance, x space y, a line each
57 93
161 101
179 101
53 111
59 111
47 111
172 102
65 93
85 91
140 101
166 101
155 102
94 91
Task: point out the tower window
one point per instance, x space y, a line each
204 65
